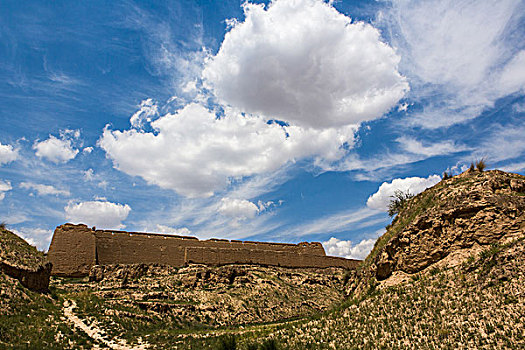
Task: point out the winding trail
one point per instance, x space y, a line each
95 333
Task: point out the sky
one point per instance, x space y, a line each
284 121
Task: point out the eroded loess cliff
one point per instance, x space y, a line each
23 262
447 223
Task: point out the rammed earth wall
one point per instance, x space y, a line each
75 249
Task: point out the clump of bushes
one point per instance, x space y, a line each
481 165
398 201
446 175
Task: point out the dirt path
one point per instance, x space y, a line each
95 333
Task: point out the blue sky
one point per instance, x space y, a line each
286 121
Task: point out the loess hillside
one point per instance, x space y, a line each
446 223
449 273
35 315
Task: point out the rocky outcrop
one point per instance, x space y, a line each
471 209
37 280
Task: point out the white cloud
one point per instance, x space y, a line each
337 222
98 213
87 150
44 189
431 149
346 249
513 75
415 185
240 209
181 231
519 107
7 154
460 54
514 167
16 218
5 186
89 174
37 237
307 64
504 142
58 150
196 153
148 109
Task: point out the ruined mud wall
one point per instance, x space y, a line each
224 256
75 248
72 250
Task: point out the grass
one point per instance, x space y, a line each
444 308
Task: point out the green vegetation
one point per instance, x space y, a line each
28 319
227 342
398 202
462 307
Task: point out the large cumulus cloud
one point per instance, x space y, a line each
305 63
102 214
195 153
298 62
414 185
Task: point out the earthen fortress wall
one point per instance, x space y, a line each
75 249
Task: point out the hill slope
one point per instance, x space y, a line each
450 221
448 273
24 309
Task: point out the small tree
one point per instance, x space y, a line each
446 175
398 201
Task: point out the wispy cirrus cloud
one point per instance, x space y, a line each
338 222
42 189
460 56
